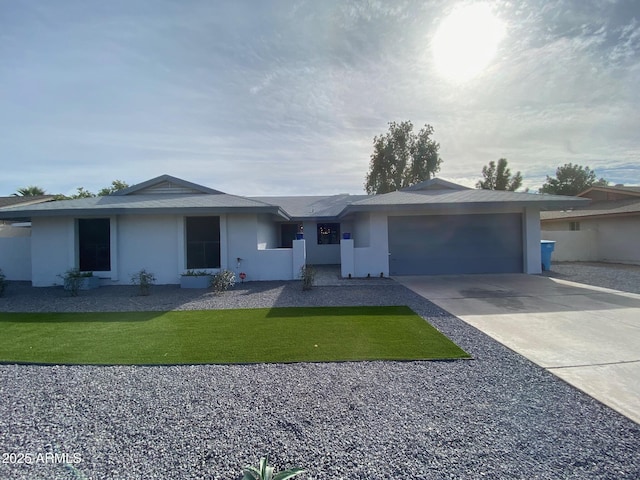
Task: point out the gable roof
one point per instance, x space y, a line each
163 194
434 184
166 184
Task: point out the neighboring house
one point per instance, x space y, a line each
168 225
607 230
15 242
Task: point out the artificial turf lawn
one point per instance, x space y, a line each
320 334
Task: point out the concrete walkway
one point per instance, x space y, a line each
588 336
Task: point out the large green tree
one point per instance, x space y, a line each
498 177
30 191
402 158
572 179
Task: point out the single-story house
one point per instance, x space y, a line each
167 226
605 230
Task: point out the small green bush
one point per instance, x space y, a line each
144 280
223 281
73 279
308 276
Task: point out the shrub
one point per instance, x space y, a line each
73 279
195 273
308 276
223 281
144 280
3 282
265 472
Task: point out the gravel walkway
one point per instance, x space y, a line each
496 416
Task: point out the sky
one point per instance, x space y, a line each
285 97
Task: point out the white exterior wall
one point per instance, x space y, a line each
257 263
372 259
15 252
150 242
320 254
52 249
267 233
573 246
619 240
615 240
531 250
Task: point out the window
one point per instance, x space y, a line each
288 233
574 226
328 233
94 244
203 242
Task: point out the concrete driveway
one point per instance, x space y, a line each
588 336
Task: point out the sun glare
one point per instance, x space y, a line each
466 41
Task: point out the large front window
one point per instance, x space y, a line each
94 244
203 242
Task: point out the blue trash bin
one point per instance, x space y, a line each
546 249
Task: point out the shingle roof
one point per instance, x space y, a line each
463 197
152 204
145 198
596 209
28 200
312 206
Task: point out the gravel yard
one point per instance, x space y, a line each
617 276
496 416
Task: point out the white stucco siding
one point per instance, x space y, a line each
573 246
614 239
320 254
374 258
361 230
258 263
149 242
619 239
267 232
531 237
52 250
15 252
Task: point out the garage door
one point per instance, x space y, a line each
450 244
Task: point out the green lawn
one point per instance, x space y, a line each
323 334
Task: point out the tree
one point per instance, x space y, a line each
571 180
115 186
402 158
82 193
499 178
30 191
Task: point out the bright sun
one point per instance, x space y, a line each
466 41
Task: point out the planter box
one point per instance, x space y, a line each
195 281
84 283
